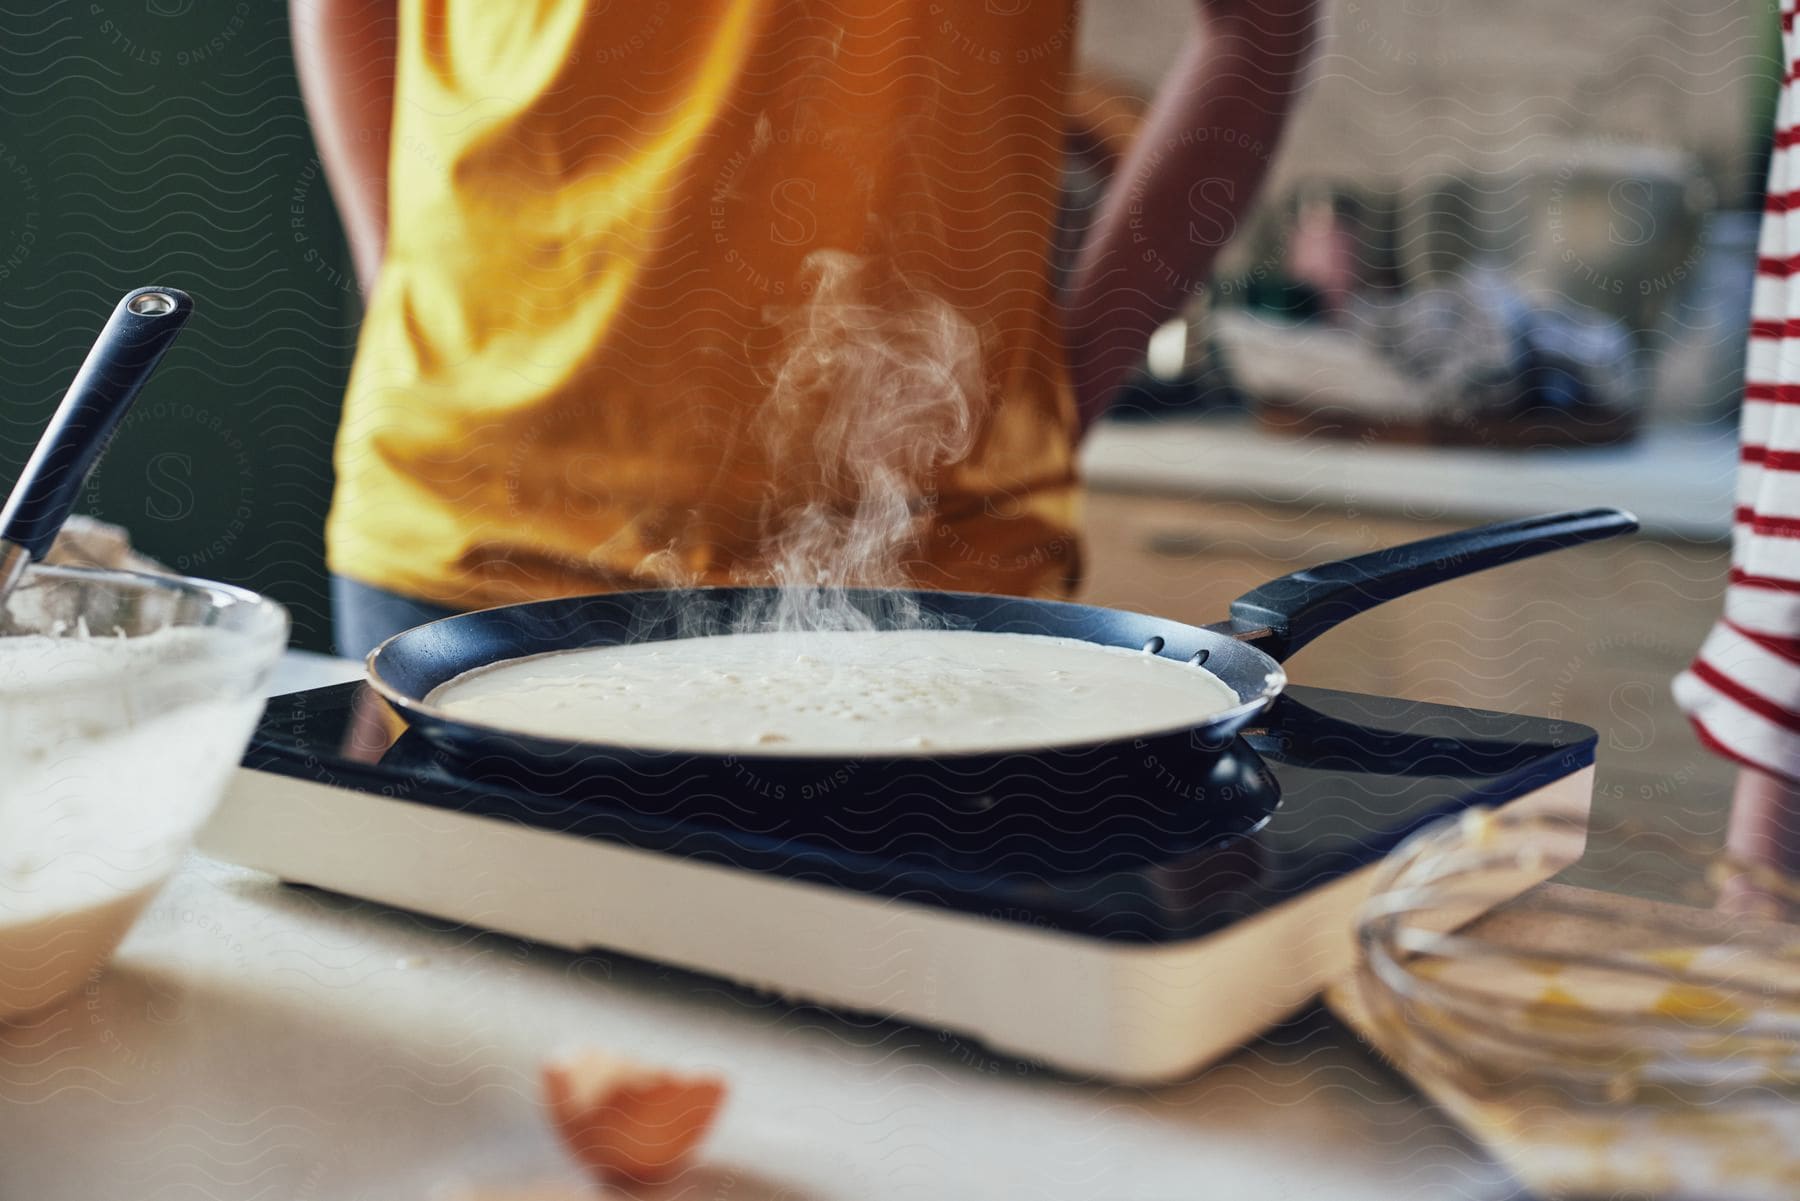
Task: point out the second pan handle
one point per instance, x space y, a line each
1285 614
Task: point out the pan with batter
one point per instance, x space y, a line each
836 693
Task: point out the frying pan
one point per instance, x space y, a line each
1168 770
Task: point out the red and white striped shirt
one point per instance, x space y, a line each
1743 689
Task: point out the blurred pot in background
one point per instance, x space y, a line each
1515 310
1610 228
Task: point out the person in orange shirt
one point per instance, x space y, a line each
597 238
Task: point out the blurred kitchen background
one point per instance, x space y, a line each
1503 266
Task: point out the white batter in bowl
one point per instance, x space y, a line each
125 703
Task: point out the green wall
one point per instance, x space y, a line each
163 141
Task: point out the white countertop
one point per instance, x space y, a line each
253 1040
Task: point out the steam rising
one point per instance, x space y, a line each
874 393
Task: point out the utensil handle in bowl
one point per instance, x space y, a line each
1287 613
127 351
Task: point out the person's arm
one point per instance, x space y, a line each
344 51
1765 820
1177 198
1742 691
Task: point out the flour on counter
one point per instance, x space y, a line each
884 692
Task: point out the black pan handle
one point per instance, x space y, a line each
1285 614
127 351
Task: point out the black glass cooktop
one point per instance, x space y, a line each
1331 782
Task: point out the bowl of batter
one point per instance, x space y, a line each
126 701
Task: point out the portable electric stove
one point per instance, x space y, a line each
1134 953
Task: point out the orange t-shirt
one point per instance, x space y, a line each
606 224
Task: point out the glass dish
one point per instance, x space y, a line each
126 701
1637 1040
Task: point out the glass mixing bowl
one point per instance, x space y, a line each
126 701
1636 1040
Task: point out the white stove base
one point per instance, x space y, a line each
1137 1012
